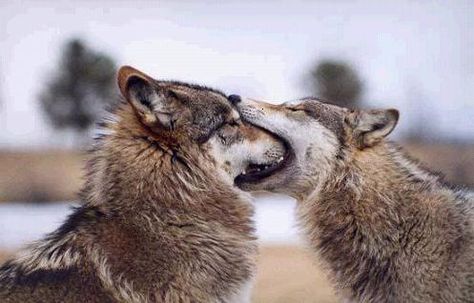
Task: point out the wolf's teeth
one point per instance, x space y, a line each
244 172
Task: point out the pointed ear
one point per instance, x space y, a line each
149 101
370 127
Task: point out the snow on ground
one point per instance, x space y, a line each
275 219
22 223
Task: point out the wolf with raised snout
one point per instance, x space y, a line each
387 229
161 220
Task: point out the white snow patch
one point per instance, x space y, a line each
22 223
275 219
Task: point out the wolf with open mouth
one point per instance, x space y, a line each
160 220
387 229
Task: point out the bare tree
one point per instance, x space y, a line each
83 83
337 82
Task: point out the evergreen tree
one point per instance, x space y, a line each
336 82
82 85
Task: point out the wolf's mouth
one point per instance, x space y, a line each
255 172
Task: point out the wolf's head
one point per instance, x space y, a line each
317 135
194 123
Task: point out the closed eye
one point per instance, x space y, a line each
235 123
295 109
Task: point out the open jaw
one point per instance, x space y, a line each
257 172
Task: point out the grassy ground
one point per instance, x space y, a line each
3 256
289 274
40 176
286 274
57 175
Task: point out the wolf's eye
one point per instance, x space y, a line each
235 123
295 109
228 133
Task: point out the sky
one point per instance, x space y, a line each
416 56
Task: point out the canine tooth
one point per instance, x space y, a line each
244 172
281 159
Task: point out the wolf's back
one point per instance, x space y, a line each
50 285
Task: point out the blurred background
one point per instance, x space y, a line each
58 61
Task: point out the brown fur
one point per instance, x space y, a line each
388 236
160 220
387 229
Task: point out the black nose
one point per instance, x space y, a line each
234 99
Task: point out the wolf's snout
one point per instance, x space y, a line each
234 99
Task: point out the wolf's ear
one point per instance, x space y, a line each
371 126
147 98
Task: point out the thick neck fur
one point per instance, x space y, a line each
132 169
389 231
158 224
175 222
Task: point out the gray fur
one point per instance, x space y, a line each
161 220
387 229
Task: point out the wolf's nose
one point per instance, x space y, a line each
234 99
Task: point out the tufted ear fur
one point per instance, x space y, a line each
154 105
369 127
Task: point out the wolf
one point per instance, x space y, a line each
161 219
386 228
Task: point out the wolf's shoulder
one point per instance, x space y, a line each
70 284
